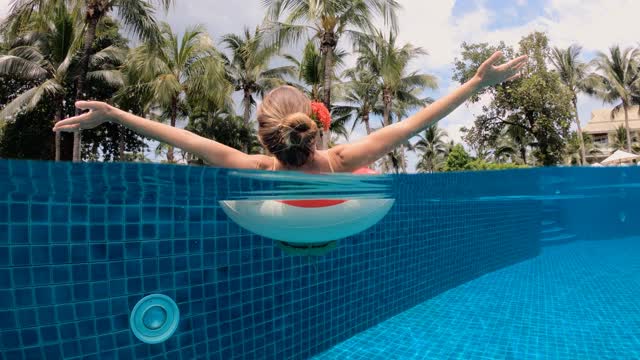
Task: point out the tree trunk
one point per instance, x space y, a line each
121 143
89 37
403 162
523 154
626 125
174 116
365 119
546 159
386 114
583 153
386 100
247 114
327 48
58 117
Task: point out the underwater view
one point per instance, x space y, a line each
319 179
129 261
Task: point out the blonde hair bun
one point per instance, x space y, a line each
285 127
298 129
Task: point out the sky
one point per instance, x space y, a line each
440 26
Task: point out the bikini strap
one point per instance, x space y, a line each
329 159
274 164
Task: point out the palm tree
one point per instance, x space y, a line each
311 74
309 69
514 143
137 15
224 127
406 100
573 148
432 149
389 63
393 162
620 140
573 74
177 73
48 57
339 119
617 80
249 67
327 21
358 95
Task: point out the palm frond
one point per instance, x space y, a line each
111 78
31 98
137 16
15 66
29 53
111 54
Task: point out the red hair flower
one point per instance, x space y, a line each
320 114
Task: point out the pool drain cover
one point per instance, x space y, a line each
154 318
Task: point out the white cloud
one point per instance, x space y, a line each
431 25
463 116
4 8
593 24
219 17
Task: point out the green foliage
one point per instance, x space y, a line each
432 148
225 129
29 136
618 80
473 55
481 165
389 62
248 67
458 159
36 99
177 74
538 103
107 141
572 147
573 74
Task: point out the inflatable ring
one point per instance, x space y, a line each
308 222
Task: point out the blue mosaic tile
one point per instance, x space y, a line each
77 262
79 213
19 234
59 213
39 234
4 234
4 212
39 213
524 311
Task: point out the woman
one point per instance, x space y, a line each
287 131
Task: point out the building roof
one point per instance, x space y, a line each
601 121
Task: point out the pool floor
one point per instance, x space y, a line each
574 301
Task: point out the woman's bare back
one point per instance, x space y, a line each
323 162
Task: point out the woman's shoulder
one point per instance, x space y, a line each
262 162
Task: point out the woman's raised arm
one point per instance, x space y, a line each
210 151
379 143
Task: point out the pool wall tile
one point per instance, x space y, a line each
140 229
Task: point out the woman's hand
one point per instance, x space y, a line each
488 74
99 113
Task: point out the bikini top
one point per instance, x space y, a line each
273 168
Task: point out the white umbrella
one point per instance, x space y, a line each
620 157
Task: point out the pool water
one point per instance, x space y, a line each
576 300
536 263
